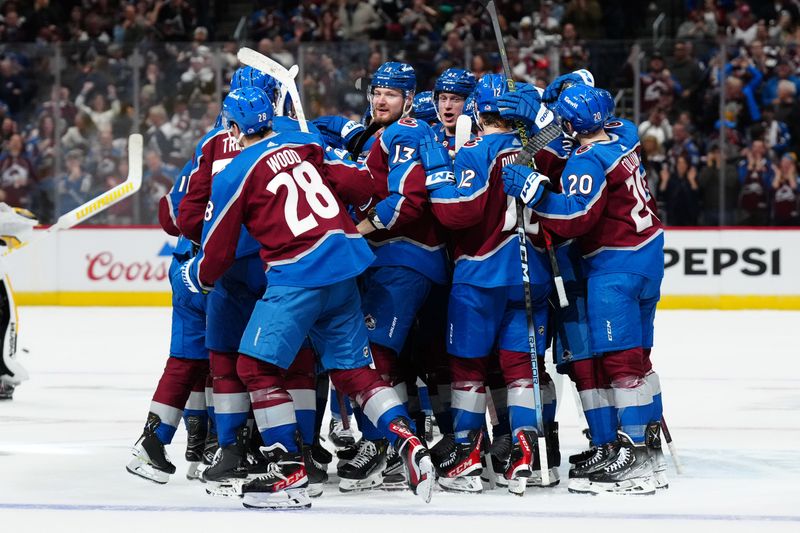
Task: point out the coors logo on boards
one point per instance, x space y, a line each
104 266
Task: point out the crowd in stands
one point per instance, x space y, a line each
77 76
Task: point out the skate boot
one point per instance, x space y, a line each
195 445
394 476
629 473
495 460
553 458
320 454
586 454
652 439
317 472
211 444
150 459
339 436
365 470
283 486
520 462
460 470
579 474
230 467
416 458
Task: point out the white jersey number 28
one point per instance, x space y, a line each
641 213
319 197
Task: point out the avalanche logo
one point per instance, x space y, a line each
370 322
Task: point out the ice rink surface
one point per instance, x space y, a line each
731 390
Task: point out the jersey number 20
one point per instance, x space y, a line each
319 197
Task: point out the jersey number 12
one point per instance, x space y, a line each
318 196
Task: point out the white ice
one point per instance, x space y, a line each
731 392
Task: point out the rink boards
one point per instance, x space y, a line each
728 268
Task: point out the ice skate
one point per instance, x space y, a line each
497 457
150 459
283 486
394 475
652 439
553 458
579 474
416 458
460 470
520 463
317 472
195 445
631 471
230 467
338 435
365 470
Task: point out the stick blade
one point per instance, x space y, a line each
463 131
135 160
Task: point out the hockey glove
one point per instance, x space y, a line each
579 77
436 161
190 279
526 184
337 131
523 104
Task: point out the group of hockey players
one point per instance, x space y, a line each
357 261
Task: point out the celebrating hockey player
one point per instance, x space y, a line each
450 93
607 205
285 190
407 242
486 308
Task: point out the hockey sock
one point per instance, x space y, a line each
655 387
196 404
209 392
231 401
548 389
172 392
499 396
322 390
424 398
300 382
273 406
376 400
518 375
336 409
596 400
468 395
441 402
632 396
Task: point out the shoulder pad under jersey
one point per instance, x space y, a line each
406 131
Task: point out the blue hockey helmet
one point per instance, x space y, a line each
250 108
489 89
586 108
250 77
456 81
470 108
395 75
424 108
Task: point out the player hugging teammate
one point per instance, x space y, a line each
331 264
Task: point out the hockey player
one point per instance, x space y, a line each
181 389
424 108
283 188
16 228
407 242
450 93
606 205
486 307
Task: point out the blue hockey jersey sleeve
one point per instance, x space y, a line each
462 204
168 205
572 212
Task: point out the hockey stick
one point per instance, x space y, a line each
526 282
463 131
672 450
100 203
279 105
251 58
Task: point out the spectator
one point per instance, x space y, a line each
653 160
786 192
787 111
756 173
101 113
657 126
40 146
280 53
197 80
745 28
659 87
174 20
16 88
359 20
571 52
81 135
775 133
132 27
783 71
74 186
586 16
452 50
709 183
679 189
44 14
159 134
17 174
682 143
687 72
156 182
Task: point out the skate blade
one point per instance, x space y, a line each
461 484
315 490
427 478
636 486
359 485
195 471
394 482
579 485
145 471
536 479
661 480
284 500
517 486
227 489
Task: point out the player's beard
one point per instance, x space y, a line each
390 118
